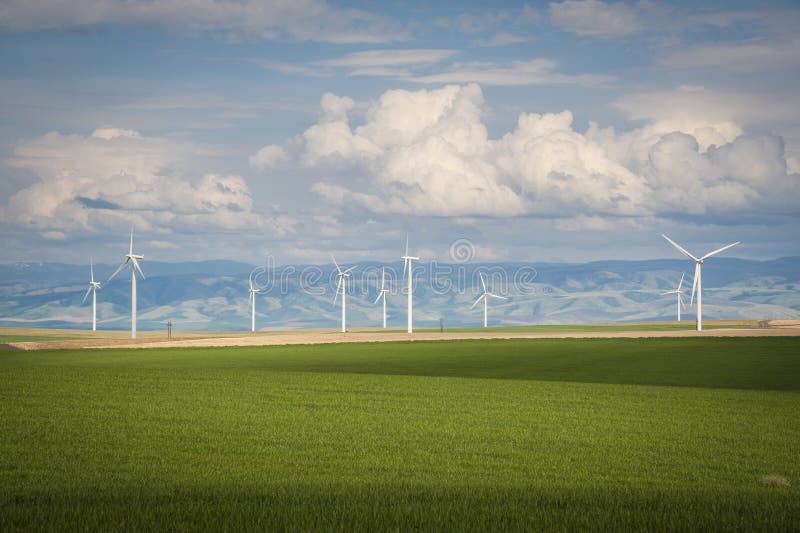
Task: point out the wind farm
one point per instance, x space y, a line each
367 403
538 357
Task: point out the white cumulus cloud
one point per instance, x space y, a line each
114 176
428 153
268 156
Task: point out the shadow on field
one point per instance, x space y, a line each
739 363
760 363
389 508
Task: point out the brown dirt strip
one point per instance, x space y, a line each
199 339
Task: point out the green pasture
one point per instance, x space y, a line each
31 338
546 434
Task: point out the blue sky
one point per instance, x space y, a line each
560 131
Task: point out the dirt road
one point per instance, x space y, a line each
323 336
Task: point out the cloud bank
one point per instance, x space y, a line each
116 176
428 153
301 20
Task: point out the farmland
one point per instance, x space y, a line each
665 433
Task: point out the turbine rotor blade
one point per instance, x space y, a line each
91 269
137 267
336 264
680 284
378 298
86 295
483 281
481 297
679 248
119 268
131 239
338 286
694 283
497 296
715 252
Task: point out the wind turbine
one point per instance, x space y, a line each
485 297
93 286
382 294
343 275
131 258
253 292
698 281
407 264
679 292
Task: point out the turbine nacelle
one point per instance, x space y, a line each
131 258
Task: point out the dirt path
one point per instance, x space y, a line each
782 328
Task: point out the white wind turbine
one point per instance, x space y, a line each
382 294
343 275
131 258
407 264
485 297
698 281
679 292
253 292
93 286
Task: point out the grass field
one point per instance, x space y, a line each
30 338
602 434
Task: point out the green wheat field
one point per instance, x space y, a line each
545 434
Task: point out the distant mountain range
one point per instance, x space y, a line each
213 295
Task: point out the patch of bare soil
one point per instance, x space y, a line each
776 482
324 336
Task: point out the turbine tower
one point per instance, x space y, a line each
679 292
485 297
343 275
382 294
407 265
131 258
93 286
253 292
698 281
